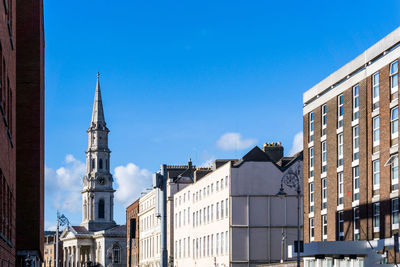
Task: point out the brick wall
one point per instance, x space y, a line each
365 163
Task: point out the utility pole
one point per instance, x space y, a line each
160 182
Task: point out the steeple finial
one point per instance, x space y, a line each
98 114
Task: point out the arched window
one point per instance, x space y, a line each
93 164
101 209
101 164
116 253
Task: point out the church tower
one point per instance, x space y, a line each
98 192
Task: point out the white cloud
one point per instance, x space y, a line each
64 184
235 141
297 144
131 181
50 226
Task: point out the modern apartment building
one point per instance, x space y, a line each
232 215
351 188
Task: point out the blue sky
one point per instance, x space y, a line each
181 79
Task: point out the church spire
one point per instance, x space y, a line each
98 114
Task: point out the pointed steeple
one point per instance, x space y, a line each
98 114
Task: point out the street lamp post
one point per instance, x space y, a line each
61 221
292 180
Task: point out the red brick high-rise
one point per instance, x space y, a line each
351 175
21 131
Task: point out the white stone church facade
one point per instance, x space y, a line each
98 241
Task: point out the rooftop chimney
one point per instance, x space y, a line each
273 150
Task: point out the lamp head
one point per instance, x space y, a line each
281 192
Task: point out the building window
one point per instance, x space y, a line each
340 221
217 211
376 176
375 91
356 221
356 183
324 157
356 102
101 208
395 213
311 155
311 197
340 111
100 164
311 125
356 143
394 172
340 149
376 214
93 164
324 193
226 207
323 117
340 189
394 80
116 254
312 229
324 219
375 130
394 124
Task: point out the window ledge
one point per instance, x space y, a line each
339 169
339 207
323 212
354 122
311 215
355 163
311 144
355 203
323 138
394 103
375 199
394 194
394 149
339 130
375 156
375 113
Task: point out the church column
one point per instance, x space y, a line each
65 257
74 256
78 255
92 257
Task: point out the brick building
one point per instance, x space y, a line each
49 255
132 235
21 131
351 160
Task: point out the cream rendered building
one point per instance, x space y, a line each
149 230
232 216
98 240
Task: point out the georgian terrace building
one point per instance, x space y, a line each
232 215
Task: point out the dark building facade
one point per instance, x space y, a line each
132 234
351 159
21 131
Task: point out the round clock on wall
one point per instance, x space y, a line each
101 180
